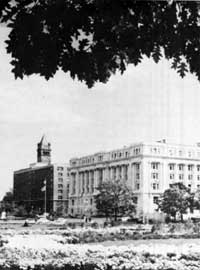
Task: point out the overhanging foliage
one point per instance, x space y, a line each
92 39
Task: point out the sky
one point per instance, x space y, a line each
149 102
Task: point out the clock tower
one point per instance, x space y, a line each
44 151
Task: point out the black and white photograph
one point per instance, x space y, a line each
99 135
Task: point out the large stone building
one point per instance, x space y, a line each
148 168
29 183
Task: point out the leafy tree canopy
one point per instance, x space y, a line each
176 200
7 201
195 203
92 39
114 198
8 197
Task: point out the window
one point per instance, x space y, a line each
154 175
190 176
137 151
60 174
92 185
137 176
198 177
190 167
126 172
137 166
87 186
155 199
180 167
100 158
155 186
171 167
189 186
74 186
126 154
60 168
72 202
60 180
180 153
60 191
181 177
137 186
83 184
198 168
198 186
154 165
91 201
101 174
171 176
67 190
60 197
60 185
155 150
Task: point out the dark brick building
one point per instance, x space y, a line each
30 183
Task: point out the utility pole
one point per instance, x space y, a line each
44 188
45 196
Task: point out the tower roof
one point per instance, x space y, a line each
44 140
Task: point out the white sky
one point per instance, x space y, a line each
148 102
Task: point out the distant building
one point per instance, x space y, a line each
30 183
148 168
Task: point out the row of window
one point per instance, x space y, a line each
181 176
175 152
171 176
114 155
87 201
155 186
154 165
136 151
114 174
190 167
86 161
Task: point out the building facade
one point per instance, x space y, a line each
148 168
43 182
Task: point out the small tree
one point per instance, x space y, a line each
195 200
8 201
114 198
175 200
20 211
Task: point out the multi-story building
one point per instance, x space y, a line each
43 182
148 168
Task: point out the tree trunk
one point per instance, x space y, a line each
175 218
115 215
181 217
